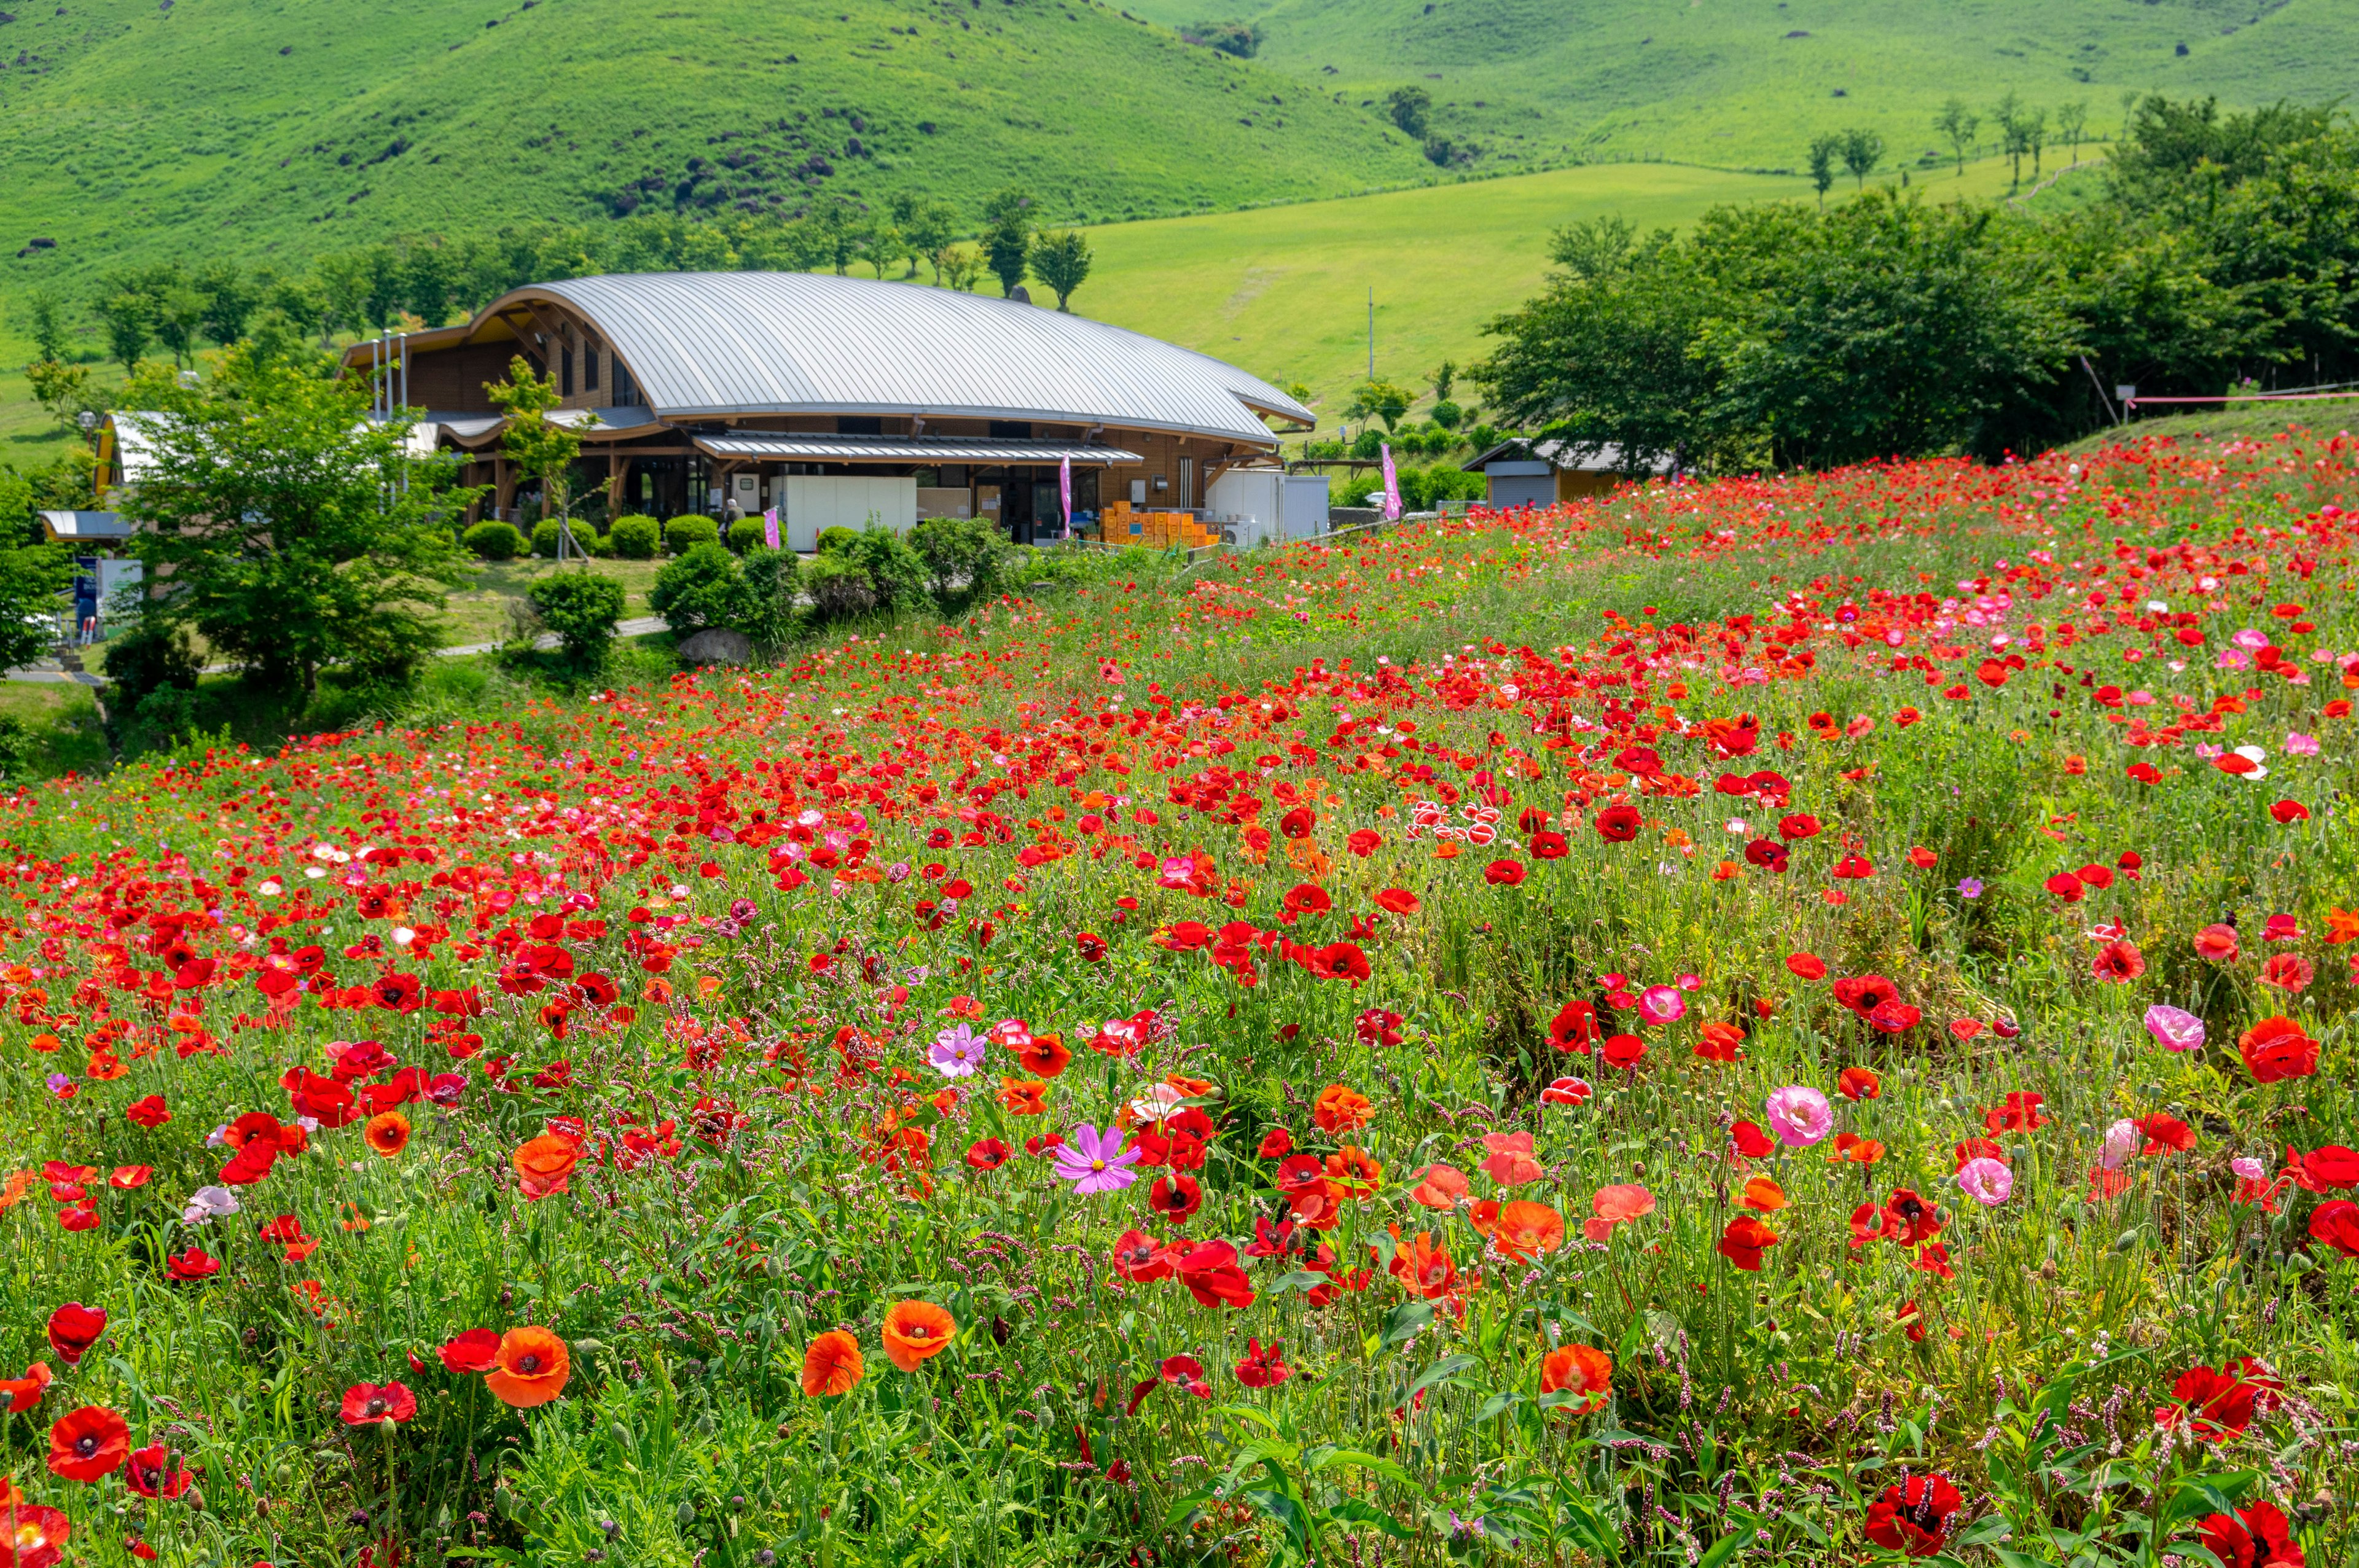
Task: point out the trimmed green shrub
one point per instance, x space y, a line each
894 570
835 541
683 534
773 585
495 541
634 538
581 607
964 558
703 587
544 538
838 587
748 535
143 659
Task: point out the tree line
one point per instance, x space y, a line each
429 280
2222 246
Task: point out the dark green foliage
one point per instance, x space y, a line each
682 534
1410 108
705 587
837 587
1242 39
581 607
634 538
31 579
149 655
493 540
17 744
544 538
773 589
748 535
896 573
271 507
835 541
962 558
1061 260
2223 249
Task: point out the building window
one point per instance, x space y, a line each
624 393
589 368
1011 429
859 425
565 374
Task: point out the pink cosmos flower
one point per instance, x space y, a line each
1096 1162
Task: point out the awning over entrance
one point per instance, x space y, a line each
765 445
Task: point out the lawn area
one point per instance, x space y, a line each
1284 291
64 718
478 612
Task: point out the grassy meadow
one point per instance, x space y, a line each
1797 1019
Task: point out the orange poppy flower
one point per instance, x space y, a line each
1616 1206
531 1368
1581 1370
1439 1186
1422 1265
1354 1173
1765 1194
915 1331
1525 1229
543 1163
833 1364
1858 1151
387 1132
1858 1083
1046 1055
1340 1109
1023 1097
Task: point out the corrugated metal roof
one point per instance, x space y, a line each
1573 457
774 343
782 446
87 524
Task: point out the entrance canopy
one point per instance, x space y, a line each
765 445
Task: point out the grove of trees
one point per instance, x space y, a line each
2222 246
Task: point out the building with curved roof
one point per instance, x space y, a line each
832 399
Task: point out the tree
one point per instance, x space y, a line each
180 316
1412 109
1861 151
958 266
2072 124
128 318
879 245
582 609
229 301
429 278
1061 260
1243 40
2015 139
292 532
2035 136
928 232
64 391
1824 151
533 441
838 226
32 576
1378 400
1007 238
1959 123
1444 377
45 324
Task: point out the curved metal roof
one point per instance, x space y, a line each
788 342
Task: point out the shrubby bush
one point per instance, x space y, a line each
634 537
838 587
705 587
581 607
544 538
964 557
143 659
683 534
895 571
835 541
748 535
493 540
773 591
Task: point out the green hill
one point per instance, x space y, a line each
143 128
1748 82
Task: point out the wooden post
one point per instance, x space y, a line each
504 482
618 474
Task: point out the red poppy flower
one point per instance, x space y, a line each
2118 961
1397 901
2276 1049
987 1153
2336 1223
147 1111
1913 1516
1139 1259
1744 1241
1623 1051
2216 944
37 1535
1262 1368
369 1402
2256 1536
1618 824
18 1395
1806 966
73 1329
476 1350
88 1443
1175 1197
1504 874
1574 1028
157 1471
1858 1084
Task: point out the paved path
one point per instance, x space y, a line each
47 671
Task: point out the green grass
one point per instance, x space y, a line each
478 612
1720 80
1284 291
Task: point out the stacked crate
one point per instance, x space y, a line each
1157 530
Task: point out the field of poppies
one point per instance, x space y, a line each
1796 1019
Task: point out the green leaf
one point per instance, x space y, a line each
1721 1550
1407 1321
1448 1366
1357 1511
1501 1401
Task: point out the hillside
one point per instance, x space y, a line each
138 128
1748 82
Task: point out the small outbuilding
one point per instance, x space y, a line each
1542 473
